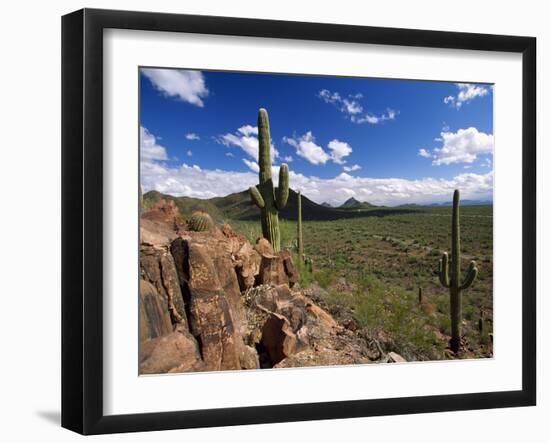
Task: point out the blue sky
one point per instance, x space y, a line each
380 140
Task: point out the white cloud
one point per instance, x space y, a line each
253 166
189 153
354 109
425 153
306 148
246 138
193 181
463 146
466 93
248 130
192 136
188 86
339 150
374 119
288 158
229 154
149 149
351 168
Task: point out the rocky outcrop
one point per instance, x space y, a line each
158 268
154 318
210 301
177 351
165 212
212 320
276 268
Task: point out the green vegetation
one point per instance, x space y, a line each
264 195
385 259
452 280
367 259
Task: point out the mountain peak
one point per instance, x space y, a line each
350 203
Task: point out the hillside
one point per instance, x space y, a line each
354 204
238 206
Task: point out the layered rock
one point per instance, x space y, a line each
158 268
177 351
211 301
276 268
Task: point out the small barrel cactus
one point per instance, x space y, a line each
200 221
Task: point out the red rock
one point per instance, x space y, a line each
278 338
176 352
154 319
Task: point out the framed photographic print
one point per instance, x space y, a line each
269 221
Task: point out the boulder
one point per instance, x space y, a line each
158 268
394 357
218 251
275 268
278 339
211 317
165 212
247 265
175 352
156 233
154 319
290 269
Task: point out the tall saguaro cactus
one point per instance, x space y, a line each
451 278
299 234
269 200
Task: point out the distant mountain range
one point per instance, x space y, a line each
238 206
353 203
465 203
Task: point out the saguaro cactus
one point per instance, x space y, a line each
299 234
451 278
269 200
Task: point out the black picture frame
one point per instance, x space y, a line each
82 218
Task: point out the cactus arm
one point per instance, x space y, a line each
256 197
470 276
444 270
282 190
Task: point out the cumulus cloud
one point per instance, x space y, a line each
193 181
149 148
466 93
339 150
186 85
246 138
351 168
353 109
306 148
189 153
253 166
463 146
192 136
422 152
